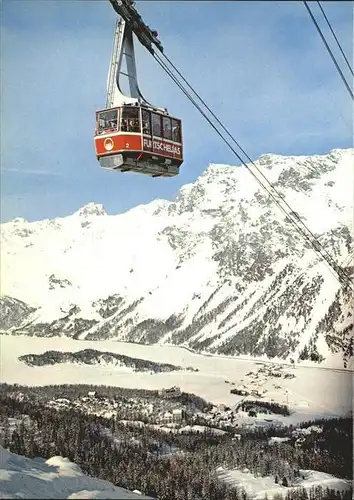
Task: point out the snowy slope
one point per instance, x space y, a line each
22 477
219 269
260 486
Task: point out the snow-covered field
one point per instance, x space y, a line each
259 486
313 392
58 477
171 428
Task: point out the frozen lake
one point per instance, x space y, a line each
313 391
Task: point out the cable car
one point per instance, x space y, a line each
132 134
139 139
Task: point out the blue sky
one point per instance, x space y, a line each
261 66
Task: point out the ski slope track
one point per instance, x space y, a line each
219 270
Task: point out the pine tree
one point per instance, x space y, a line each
6 433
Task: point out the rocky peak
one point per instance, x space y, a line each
91 209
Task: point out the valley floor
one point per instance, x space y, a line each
311 393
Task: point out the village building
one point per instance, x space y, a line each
172 392
177 415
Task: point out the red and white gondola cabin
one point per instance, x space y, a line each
139 139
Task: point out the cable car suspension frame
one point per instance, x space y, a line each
131 133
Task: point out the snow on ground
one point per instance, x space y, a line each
259 486
172 428
58 477
201 429
277 439
313 392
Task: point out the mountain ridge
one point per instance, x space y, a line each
218 269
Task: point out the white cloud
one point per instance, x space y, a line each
31 171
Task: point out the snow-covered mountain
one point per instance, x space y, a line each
219 269
58 477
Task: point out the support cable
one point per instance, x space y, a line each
124 8
335 37
329 50
313 241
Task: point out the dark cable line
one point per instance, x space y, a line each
313 240
238 145
335 37
315 244
348 258
329 49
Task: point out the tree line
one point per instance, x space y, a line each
146 459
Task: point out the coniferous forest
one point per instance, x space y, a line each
167 465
